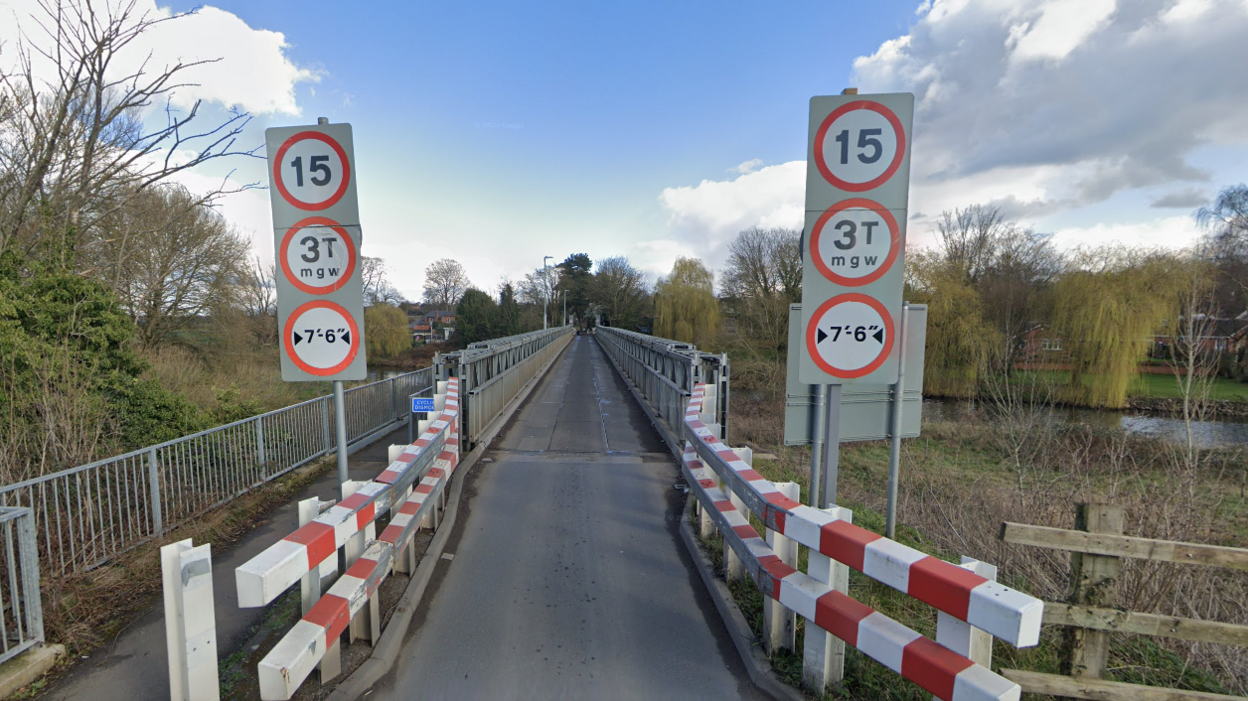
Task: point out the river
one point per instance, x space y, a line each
1224 433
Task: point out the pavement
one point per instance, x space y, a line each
134 666
566 577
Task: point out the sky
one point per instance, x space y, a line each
496 133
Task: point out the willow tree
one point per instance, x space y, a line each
685 308
958 336
1109 307
385 331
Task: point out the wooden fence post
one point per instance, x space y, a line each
1093 582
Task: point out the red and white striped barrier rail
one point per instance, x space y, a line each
296 655
1004 612
424 496
264 577
946 674
290 662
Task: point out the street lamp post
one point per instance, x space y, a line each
546 292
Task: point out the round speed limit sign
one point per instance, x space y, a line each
321 338
317 255
311 171
859 146
850 335
855 242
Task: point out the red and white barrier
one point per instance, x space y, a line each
264 577
296 655
422 470
946 674
1004 612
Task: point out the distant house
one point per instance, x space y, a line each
1042 344
433 326
1218 335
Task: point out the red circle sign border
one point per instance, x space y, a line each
290 276
894 245
842 299
281 185
290 348
827 124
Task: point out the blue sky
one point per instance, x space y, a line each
495 133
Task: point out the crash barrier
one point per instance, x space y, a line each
665 372
87 515
21 609
728 490
492 373
415 481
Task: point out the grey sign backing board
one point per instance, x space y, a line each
857 185
866 410
317 246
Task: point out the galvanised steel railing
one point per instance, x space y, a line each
492 373
21 610
665 372
87 515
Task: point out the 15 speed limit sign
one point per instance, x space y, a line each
857 186
316 235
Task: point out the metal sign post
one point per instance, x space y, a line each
857 187
316 232
894 446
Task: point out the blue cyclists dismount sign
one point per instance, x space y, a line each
422 404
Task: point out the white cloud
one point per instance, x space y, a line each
1168 233
706 216
1055 28
747 167
1105 98
249 68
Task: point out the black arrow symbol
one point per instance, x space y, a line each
878 336
298 338
347 337
820 335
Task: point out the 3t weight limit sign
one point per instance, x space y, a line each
855 242
317 255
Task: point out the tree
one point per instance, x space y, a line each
1109 307
445 283
620 291
475 317
385 331
1226 221
958 337
685 306
575 281
73 150
257 295
170 259
762 278
508 311
377 289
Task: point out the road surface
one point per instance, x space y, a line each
568 579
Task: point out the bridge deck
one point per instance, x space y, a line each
568 578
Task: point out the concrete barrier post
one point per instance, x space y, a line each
190 622
780 622
823 654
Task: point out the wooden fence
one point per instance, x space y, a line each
1097 548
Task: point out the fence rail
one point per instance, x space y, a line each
666 371
21 611
1096 548
87 515
493 372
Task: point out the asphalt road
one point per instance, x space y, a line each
568 579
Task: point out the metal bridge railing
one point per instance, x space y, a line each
493 372
21 611
665 372
87 515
